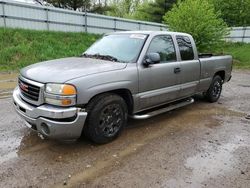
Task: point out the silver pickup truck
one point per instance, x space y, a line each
137 74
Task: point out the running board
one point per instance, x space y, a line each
163 110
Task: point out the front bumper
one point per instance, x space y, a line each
53 122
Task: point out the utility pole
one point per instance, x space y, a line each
85 16
165 6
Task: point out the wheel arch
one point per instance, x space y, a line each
221 73
123 93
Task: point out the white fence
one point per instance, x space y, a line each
239 34
20 15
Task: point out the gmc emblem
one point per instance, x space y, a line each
24 87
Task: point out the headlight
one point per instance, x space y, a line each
60 94
60 89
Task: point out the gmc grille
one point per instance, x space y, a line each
28 90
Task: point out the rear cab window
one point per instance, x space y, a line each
185 47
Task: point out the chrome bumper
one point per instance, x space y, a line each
50 121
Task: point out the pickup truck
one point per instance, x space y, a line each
136 74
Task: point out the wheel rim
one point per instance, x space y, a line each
111 119
216 89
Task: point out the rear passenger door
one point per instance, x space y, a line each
189 66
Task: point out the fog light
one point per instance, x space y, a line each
45 128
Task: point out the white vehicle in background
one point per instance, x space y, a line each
35 2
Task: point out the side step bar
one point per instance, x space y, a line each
163 110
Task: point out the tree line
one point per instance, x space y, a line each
206 20
233 12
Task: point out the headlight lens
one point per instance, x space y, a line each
60 94
60 89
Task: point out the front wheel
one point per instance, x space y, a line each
214 91
107 116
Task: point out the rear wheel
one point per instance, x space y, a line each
214 91
107 116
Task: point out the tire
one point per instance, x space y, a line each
214 91
107 116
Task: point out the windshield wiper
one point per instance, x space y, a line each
99 56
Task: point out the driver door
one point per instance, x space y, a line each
159 83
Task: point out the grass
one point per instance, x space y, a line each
240 53
19 48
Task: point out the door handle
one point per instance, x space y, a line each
177 70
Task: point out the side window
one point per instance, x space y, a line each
186 49
163 45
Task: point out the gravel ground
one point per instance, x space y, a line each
200 145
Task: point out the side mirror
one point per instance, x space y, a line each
152 58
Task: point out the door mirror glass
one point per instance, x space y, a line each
152 58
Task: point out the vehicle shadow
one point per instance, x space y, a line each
133 123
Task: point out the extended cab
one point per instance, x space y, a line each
124 74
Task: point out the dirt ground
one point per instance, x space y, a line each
200 145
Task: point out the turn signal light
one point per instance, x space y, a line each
68 90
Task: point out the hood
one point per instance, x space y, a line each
62 70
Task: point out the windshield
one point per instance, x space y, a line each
117 47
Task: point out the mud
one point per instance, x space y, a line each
7 82
200 145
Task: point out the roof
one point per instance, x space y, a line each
150 32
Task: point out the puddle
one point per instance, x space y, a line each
16 144
9 148
210 164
